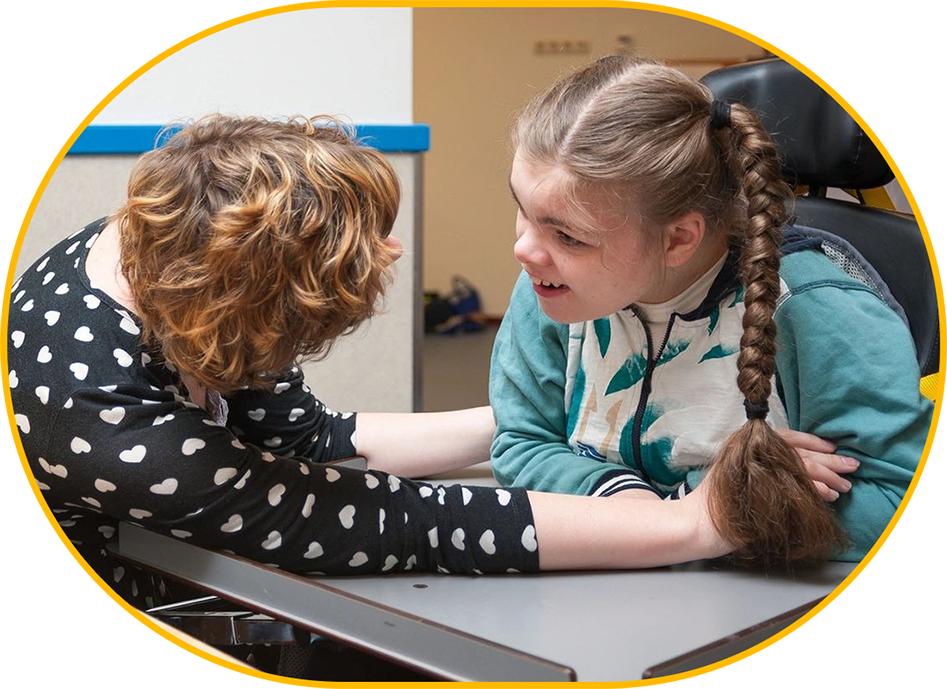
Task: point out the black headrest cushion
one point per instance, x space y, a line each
820 144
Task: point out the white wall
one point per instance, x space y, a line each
351 61
354 62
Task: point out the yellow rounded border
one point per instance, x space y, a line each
880 61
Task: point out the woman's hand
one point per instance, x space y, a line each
697 504
824 468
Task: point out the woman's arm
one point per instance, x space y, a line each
577 532
415 445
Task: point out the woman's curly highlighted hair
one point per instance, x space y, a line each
250 244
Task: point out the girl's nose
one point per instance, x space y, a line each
528 250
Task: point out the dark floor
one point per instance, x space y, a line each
456 370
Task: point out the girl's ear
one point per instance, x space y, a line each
682 238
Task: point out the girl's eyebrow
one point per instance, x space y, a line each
548 219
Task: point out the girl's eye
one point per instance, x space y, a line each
568 240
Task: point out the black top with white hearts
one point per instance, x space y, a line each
110 435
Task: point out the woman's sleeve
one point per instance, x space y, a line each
527 393
289 421
171 469
849 373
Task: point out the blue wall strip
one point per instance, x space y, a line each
116 139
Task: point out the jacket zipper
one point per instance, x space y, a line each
646 388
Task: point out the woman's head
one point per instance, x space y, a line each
635 159
248 244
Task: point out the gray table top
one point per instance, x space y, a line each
606 626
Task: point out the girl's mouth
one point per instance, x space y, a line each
547 289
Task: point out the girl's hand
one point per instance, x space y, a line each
824 468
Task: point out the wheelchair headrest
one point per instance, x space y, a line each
819 142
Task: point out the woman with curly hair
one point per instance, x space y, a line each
153 372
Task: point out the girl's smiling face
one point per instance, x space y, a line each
584 265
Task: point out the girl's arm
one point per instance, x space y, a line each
426 444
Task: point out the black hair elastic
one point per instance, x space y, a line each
756 411
719 114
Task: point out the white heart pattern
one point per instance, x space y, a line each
192 445
92 501
14 381
54 469
487 543
332 475
224 475
123 358
390 562
273 541
28 306
234 524
44 356
394 483
139 514
42 392
62 289
134 455
161 419
273 442
83 334
529 538
276 494
242 482
358 559
381 521
467 494
257 414
48 277
72 247
41 266
347 516
314 551
22 422
457 539
281 387
129 326
180 533
166 487
17 336
410 563
503 497
78 445
107 531
425 491
307 506
296 413
52 317
104 486
79 370
91 301
371 481
113 416
432 537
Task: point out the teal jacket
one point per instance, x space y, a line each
592 408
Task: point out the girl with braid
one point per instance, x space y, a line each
657 337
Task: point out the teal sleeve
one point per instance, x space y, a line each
527 388
849 374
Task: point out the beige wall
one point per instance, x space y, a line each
473 69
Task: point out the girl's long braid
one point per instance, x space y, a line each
761 497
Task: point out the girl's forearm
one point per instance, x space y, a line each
591 533
416 445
